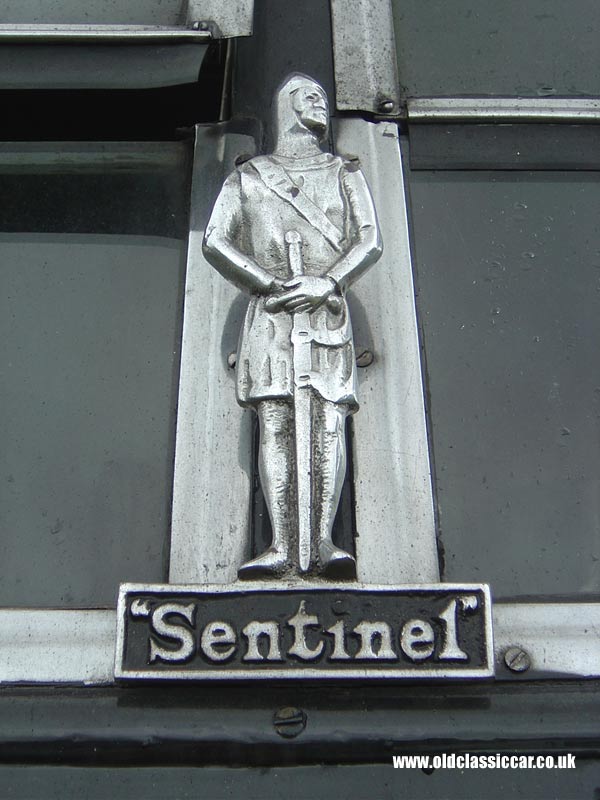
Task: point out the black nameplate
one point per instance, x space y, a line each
318 631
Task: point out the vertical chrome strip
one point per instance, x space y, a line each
394 505
364 56
211 490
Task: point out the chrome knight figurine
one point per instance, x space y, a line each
294 229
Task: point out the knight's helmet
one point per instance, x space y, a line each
285 117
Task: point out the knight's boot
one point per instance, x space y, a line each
272 562
335 562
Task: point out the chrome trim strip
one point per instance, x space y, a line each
66 157
562 640
210 533
396 540
504 109
57 646
364 55
98 33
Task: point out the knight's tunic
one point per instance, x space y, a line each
274 196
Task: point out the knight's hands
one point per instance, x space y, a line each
304 293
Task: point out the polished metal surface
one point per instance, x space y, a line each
396 540
213 472
366 75
555 639
295 229
51 646
99 33
571 110
225 20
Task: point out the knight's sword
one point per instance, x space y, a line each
302 363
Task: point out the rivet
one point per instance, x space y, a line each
386 106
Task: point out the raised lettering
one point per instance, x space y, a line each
369 632
299 622
253 631
417 639
450 650
218 641
339 641
179 633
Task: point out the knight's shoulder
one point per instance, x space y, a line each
252 165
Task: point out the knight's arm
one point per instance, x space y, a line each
367 246
222 232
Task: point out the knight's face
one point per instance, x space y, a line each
310 104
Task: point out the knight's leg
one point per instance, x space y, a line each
329 461
275 465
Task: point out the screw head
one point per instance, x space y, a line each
364 358
517 659
289 721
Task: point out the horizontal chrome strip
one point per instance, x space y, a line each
99 33
555 639
504 109
85 157
57 646
551 640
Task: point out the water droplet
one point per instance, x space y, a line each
528 254
496 310
564 431
536 338
520 205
